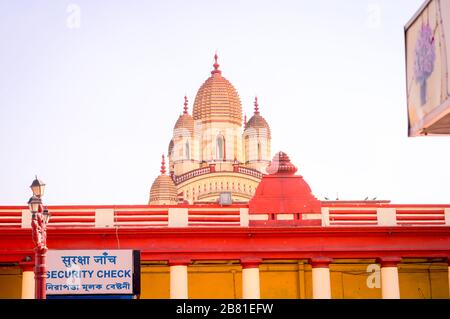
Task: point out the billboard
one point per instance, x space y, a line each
427 41
93 272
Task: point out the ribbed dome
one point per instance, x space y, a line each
185 121
163 190
217 100
257 121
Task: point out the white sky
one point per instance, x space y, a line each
90 109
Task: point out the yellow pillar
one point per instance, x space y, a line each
321 282
250 279
27 280
178 280
390 286
448 261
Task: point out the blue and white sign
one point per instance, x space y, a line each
85 272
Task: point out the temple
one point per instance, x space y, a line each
214 151
227 218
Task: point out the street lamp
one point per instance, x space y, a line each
38 187
39 220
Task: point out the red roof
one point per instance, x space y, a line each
283 192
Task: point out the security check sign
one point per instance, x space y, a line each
88 272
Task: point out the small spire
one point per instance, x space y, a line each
185 105
256 105
163 166
281 164
245 119
216 65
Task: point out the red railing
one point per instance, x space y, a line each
206 170
141 218
249 171
216 216
196 172
428 217
355 217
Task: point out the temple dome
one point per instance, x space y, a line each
217 100
163 190
185 121
257 121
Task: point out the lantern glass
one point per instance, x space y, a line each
38 187
46 216
34 203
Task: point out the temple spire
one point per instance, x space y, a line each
163 166
256 105
216 65
185 105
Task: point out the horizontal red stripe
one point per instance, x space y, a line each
10 213
130 212
141 225
9 225
213 224
213 219
420 224
424 212
361 212
68 213
87 225
11 220
352 223
420 217
72 220
214 213
353 218
139 218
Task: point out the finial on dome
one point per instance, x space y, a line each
256 105
245 119
163 166
185 105
281 164
216 65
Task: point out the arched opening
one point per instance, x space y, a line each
220 148
247 151
259 151
187 153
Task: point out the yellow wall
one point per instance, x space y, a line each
286 280
349 281
155 282
423 281
10 283
292 280
214 282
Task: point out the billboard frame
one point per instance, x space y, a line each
438 112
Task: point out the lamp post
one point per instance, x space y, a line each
39 220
